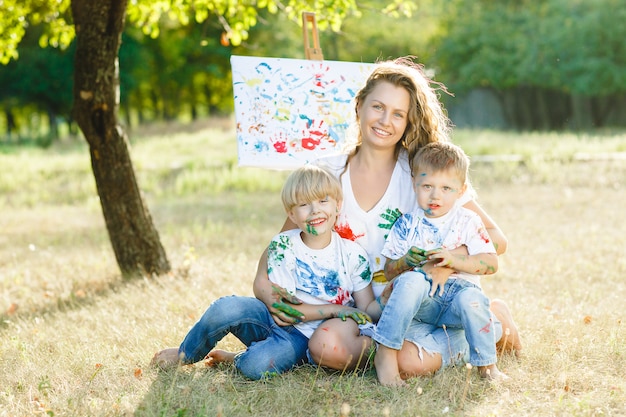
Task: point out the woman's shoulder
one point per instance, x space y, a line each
334 162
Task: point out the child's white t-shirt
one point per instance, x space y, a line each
370 228
317 276
458 227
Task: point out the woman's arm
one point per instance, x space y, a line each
364 300
271 293
497 237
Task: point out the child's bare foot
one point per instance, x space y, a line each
510 342
386 364
166 359
217 356
492 373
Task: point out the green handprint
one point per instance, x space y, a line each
390 216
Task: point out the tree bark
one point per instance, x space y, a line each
135 240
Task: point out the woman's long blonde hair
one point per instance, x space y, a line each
427 120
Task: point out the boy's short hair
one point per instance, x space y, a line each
310 183
441 156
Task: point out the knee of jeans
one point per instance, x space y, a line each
473 297
255 367
473 303
230 309
411 280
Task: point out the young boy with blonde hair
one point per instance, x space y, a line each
326 275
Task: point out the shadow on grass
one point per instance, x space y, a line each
221 391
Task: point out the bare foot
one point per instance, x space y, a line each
492 373
386 364
510 342
166 359
217 356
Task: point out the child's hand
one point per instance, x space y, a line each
439 277
294 314
442 257
415 257
357 315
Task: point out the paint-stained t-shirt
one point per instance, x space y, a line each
458 227
370 228
318 276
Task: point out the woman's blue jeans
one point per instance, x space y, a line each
271 349
463 306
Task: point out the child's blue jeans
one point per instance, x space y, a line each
411 314
271 349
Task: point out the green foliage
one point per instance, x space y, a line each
563 45
185 71
17 15
236 17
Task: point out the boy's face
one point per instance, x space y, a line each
437 191
315 218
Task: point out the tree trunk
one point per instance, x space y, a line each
135 240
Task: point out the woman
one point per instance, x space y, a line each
397 112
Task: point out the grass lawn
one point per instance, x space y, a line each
76 340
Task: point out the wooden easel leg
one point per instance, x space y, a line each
314 52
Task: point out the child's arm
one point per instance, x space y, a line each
478 264
365 301
328 311
272 294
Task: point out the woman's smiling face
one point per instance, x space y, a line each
383 115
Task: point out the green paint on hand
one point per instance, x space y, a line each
288 310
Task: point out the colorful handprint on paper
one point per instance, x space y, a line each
291 111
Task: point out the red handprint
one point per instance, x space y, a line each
280 143
313 134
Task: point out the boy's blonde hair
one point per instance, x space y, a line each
310 183
441 156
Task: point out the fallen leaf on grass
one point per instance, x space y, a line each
12 309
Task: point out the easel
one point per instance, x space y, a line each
315 52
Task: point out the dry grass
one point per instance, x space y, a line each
75 340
